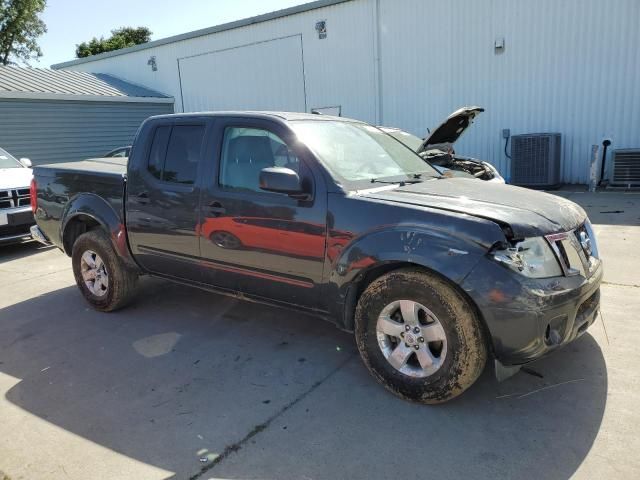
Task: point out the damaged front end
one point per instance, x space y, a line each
537 294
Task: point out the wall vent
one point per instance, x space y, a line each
535 159
626 167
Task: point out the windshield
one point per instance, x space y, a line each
7 160
355 152
411 141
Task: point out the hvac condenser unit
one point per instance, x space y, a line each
626 167
535 159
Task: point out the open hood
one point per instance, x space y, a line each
451 129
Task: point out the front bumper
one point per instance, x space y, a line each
529 318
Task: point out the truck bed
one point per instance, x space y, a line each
61 185
105 168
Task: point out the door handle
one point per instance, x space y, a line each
142 198
216 209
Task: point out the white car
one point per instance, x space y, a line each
16 216
437 147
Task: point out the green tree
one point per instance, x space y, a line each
20 27
120 38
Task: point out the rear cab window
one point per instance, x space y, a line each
175 153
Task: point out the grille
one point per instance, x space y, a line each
575 250
626 167
535 159
17 197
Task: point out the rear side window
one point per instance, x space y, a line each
158 151
175 153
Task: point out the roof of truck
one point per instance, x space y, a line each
287 116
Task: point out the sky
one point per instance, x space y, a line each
70 22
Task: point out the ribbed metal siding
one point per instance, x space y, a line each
570 66
60 131
207 84
338 71
43 81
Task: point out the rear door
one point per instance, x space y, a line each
162 211
261 243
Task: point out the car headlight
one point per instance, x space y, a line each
531 257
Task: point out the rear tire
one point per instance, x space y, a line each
419 336
102 277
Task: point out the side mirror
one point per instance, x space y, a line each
25 162
280 180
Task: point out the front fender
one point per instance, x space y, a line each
449 255
95 207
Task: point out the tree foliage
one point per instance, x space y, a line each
20 27
120 38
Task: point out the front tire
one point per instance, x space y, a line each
419 336
104 280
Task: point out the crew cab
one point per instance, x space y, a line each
434 275
16 217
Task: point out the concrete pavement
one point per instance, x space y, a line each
185 384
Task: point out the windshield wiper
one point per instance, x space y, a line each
402 183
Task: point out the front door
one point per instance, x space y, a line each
162 199
261 243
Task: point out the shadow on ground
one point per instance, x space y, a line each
184 374
14 251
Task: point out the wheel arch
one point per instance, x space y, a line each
449 255
88 212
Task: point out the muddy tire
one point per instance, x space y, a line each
419 336
105 282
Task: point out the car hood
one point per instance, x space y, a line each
528 213
15 178
451 129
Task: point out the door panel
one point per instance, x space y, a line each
260 243
162 200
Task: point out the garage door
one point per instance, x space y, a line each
261 76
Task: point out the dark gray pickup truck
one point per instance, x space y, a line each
434 275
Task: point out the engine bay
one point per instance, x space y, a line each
475 168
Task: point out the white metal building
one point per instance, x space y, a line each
570 66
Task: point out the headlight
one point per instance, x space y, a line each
532 258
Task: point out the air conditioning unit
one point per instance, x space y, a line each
626 167
535 160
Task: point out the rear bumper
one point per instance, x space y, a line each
37 234
529 318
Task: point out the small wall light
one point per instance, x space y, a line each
498 45
321 28
152 62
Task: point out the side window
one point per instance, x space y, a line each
246 151
175 153
183 154
158 151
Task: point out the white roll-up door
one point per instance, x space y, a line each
266 75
